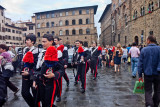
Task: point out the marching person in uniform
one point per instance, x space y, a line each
51 72
28 70
95 52
60 49
38 83
82 58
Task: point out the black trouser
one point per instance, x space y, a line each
149 82
10 84
82 69
26 86
65 76
15 63
93 66
50 93
59 92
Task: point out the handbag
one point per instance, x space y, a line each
112 63
3 61
139 87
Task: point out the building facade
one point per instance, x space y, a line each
134 20
69 24
9 33
106 27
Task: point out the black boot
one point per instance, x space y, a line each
58 99
82 90
68 84
94 78
75 83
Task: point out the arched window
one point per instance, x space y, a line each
47 24
150 7
52 33
38 25
126 23
52 24
73 22
87 21
142 11
60 32
80 31
73 32
60 23
67 32
80 21
66 22
38 34
135 14
87 31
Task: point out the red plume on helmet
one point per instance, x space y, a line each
80 50
51 54
99 48
61 47
113 49
28 58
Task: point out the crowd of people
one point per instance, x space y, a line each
42 69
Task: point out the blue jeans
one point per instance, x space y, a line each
134 62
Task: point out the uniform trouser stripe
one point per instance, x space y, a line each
54 90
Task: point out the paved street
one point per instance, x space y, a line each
109 90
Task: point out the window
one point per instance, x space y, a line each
114 38
151 33
66 22
80 21
38 16
66 13
135 14
47 15
113 25
60 32
13 38
150 7
13 31
9 30
80 11
52 15
87 21
67 32
73 22
2 13
30 27
60 14
80 31
126 23
47 24
73 32
142 11
114 6
38 25
52 33
73 12
38 34
119 38
47 32
0 27
87 11
159 3
87 31
52 24
60 23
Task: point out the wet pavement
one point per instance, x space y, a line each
109 90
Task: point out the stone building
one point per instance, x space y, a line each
134 20
70 24
9 33
28 27
106 27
